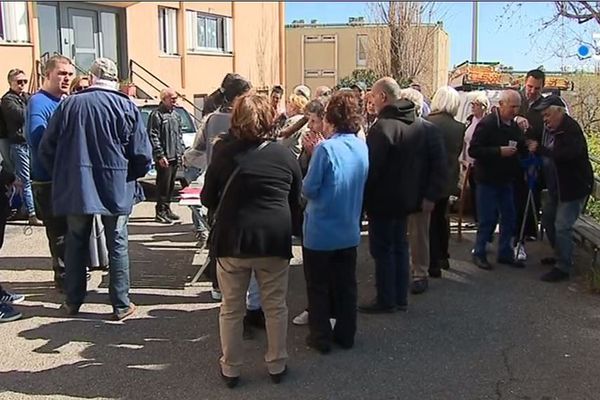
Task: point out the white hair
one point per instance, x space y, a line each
561 109
509 94
482 99
415 97
447 100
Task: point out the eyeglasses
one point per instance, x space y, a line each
22 81
79 88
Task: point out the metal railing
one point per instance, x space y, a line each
133 65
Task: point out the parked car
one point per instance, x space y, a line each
188 127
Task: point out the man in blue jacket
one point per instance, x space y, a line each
96 147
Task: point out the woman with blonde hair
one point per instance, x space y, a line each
444 107
79 83
292 139
252 189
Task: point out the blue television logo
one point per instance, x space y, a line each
585 51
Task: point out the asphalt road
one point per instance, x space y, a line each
473 335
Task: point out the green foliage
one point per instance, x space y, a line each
368 76
593 141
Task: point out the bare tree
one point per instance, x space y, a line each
584 101
403 46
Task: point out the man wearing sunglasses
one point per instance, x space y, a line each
14 105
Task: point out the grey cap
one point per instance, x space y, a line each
303 91
104 68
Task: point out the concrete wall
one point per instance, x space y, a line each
341 55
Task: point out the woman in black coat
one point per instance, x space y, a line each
256 212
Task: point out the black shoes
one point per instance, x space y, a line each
70 309
435 272
323 348
376 308
511 262
163 218
419 286
555 275
171 215
482 263
277 378
253 319
230 381
444 264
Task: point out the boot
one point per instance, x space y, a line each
255 318
172 216
162 215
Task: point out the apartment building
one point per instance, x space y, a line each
184 44
322 54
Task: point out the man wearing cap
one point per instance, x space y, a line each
164 129
95 148
569 179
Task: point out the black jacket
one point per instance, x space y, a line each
490 167
453 134
261 209
406 163
14 107
534 117
164 128
569 153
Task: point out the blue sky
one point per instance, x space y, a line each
512 41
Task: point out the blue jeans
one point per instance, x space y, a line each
253 294
19 154
494 200
388 245
76 254
558 220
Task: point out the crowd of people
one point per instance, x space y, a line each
310 172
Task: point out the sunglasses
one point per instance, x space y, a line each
22 81
78 88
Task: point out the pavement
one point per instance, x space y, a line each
474 335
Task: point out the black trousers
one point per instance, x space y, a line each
56 227
439 234
165 184
331 287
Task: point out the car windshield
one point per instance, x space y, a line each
187 124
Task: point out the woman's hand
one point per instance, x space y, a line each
311 140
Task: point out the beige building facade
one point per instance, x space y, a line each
322 54
184 44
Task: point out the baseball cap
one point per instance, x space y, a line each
104 68
552 100
360 85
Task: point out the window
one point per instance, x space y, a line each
362 43
312 73
49 30
167 25
14 27
312 38
207 32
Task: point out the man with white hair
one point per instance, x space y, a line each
397 168
164 129
431 189
569 179
496 144
95 147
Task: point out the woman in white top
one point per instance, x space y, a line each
480 107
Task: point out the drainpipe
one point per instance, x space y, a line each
34 38
233 52
181 37
282 44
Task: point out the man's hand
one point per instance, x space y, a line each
427 206
163 162
508 151
310 141
522 122
532 146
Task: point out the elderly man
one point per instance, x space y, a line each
95 148
164 129
569 178
496 144
397 149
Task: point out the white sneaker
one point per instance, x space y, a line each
520 253
301 319
216 295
